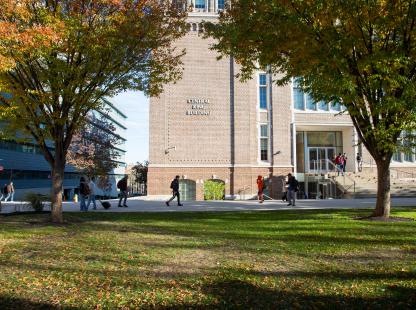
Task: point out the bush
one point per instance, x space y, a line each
36 201
214 190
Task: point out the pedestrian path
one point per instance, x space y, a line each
142 205
138 204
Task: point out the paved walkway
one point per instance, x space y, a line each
138 204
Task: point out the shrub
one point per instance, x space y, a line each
214 190
36 201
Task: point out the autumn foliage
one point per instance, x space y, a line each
358 53
58 59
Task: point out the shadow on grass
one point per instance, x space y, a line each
13 303
236 294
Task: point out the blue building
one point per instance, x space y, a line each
25 165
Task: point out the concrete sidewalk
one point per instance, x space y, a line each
138 204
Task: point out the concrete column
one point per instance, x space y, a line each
206 6
212 6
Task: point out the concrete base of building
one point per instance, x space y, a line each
240 183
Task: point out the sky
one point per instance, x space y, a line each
136 106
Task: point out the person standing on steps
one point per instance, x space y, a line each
339 163
174 185
359 162
293 187
344 161
122 186
260 187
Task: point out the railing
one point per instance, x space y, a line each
394 172
242 192
324 166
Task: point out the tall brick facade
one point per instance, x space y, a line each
207 125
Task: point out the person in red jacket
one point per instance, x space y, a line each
260 186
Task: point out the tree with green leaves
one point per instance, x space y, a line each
60 58
358 53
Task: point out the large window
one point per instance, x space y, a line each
263 91
310 103
298 96
304 102
264 142
221 4
200 4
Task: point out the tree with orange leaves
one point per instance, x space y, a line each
59 58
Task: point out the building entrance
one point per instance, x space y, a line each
319 159
187 190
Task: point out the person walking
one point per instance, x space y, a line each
359 162
93 191
292 188
174 185
84 191
122 186
344 161
260 187
3 192
10 192
284 190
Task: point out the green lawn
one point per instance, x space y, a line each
251 260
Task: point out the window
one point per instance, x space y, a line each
310 103
335 106
200 4
298 97
322 105
264 142
408 142
397 156
263 91
303 101
221 4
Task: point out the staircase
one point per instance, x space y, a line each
366 185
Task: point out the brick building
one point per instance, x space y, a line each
210 126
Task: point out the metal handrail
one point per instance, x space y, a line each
397 170
344 175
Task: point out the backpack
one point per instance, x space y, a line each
119 184
85 189
171 185
296 186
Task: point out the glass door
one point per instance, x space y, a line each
313 159
319 159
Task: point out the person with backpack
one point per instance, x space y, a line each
293 187
122 186
174 185
84 191
260 187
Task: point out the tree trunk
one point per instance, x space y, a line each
56 192
383 189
